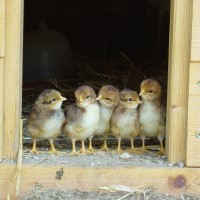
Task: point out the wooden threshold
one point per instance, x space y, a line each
171 180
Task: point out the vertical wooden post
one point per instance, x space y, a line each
2 55
193 136
178 75
2 28
1 107
13 76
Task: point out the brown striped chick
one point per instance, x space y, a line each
124 120
82 117
46 118
152 113
108 98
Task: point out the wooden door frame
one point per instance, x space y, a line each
11 43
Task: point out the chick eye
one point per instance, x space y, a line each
108 99
54 100
150 91
130 99
47 102
88 97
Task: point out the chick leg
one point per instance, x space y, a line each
162 151
132 145
104 146
90 148
132 149
34 150
83 150
143 149
119 150
74 152
52 150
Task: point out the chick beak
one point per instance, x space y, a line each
142 92
98 98
63 98
139 101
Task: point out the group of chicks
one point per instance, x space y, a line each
121 114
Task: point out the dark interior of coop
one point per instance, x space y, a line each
68 43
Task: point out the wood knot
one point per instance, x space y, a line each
174 106
178 182
59 173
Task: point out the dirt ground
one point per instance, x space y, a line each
98 158
54 194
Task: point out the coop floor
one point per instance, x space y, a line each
148 193
96 159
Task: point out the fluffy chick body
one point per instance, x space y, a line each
108 98
46 118
152 113
125 119
82 117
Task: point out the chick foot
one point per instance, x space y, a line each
119 150
133 151
143 151
34 150
83 150
53 150
90 148
104 147
162 150
75 153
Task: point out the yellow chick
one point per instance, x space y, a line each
152 113
108 98
46 118
125 120
82 118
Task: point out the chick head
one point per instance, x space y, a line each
129 99
150 90
50 100
84 96
108 96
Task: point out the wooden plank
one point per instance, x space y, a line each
178 79
193 142
168 180
2 28
194 110
13 76
1 107
193 146
2 53
194 82
195 43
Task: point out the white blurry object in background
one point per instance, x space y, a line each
47 53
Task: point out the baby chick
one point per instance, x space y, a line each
125 121
82 117
152 113
108 99
46 118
